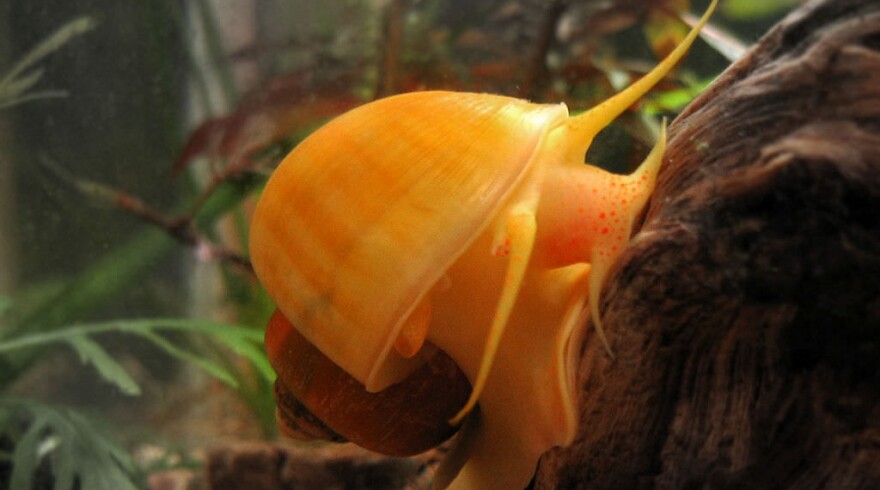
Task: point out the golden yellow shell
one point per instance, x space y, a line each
362 219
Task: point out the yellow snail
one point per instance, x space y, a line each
459 222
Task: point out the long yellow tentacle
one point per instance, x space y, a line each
521 229
584 127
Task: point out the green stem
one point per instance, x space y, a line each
138 325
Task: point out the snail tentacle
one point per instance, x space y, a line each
636 190
583 128
414 331
521 230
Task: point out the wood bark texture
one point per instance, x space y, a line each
745 318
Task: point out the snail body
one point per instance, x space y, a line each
461 222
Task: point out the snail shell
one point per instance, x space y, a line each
318 400
461 222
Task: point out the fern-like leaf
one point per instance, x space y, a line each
49 45
242 340
91 352
70 445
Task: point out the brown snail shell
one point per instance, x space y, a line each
318 400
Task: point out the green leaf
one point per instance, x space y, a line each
90 352
76 448
5 304
206 364
242 340
25 459
675 100
6 103
104 452
65 473
755 9
52 43
56 306
59 304
251 351
18 86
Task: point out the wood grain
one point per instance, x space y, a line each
745 318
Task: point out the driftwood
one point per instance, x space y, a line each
746 316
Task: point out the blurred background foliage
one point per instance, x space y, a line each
134 138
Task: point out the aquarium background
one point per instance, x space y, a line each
134 138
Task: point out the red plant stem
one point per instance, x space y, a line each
180 228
